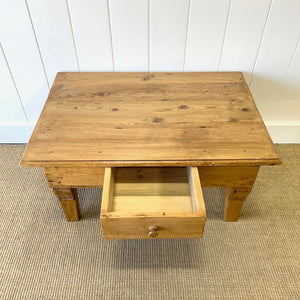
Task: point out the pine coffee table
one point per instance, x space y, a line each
152 140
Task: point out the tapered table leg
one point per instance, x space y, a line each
234 201
68 199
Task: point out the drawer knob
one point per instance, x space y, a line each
152 231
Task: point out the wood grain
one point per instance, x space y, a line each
119 119
108 189
234 201
228 176
238 181
142 203
59 177
173 215
138 228
68 199
173 182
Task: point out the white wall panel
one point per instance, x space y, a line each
278 46
15 133
286 110
17 38
10 106
283 133
205 34
168 29
291 87
92 34
54 34
129 29
43 37
246 23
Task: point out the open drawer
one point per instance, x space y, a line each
147 202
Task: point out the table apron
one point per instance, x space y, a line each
77 177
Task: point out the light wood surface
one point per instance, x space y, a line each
68 199
173 214
237 191
234 201
151 203
59 177
96 120
228 176
140 119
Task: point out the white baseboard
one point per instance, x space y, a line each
15 134
284 133
281 134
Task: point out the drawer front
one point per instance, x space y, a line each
139 227
152 203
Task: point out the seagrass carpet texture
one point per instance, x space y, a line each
42 256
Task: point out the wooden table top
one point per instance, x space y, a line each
150 119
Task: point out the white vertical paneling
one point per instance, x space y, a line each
10 106
291 88
168 29
41 38
205 34
278 45
287 109
246 23
129 29
92 34
18 40
54 34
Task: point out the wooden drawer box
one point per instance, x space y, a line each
152 202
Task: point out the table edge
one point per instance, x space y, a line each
144 163
152 163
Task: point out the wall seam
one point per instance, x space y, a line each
15 85
73 37
111 39
224 35
186 34
149 35
37 44
283 85
260 42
